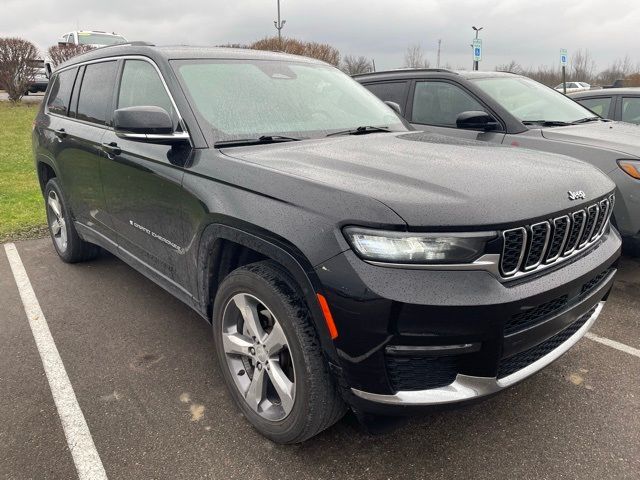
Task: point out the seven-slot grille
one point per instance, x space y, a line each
527 248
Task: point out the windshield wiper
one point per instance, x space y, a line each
262 140
586 119
360 131
546 123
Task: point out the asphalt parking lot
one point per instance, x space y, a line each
142 368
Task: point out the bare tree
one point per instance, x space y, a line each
618 70
61 53
353 65
321 51
583 67
512 66
17 66
414 57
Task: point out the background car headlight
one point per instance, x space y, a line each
631 167
408 247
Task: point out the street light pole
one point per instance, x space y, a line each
475 62
279 24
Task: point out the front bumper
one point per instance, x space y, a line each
423 337
467 388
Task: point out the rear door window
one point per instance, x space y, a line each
440 103
96 92
60 94
599 105
390 92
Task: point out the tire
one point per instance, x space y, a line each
316 402
70 247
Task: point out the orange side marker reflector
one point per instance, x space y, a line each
328 318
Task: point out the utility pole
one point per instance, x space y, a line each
373 64
475 62
438 61
279 24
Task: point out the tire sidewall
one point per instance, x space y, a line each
249 282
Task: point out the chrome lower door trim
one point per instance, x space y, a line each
466 387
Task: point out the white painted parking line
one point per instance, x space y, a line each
613 344
83 450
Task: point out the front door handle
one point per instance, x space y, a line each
60 133
111 149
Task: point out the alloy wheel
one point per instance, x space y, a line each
258 356
57 222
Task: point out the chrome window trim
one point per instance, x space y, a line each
181 122
564 239
544 248
524 248
579 236
466 387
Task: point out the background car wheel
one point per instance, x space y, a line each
270 355
70 247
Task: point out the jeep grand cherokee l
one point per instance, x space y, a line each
501 107
342 259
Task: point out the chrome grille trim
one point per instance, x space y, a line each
556 221
575 223
522 250
601 222
592 216
584 227
547 234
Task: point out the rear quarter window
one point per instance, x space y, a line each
390 91
60 94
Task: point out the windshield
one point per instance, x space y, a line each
530 101
99 39
253 98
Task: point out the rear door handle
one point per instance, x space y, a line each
111 149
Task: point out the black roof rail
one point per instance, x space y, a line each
403 70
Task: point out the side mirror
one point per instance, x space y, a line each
394 106
476 120
148 124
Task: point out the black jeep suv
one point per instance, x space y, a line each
343 259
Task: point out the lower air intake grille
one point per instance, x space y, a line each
521 360
414 372
523 320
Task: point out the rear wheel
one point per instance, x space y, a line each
270 355
70 247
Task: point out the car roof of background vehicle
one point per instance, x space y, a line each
182 52
607 92
429 72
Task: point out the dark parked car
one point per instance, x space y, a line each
514 110
343 259
622 104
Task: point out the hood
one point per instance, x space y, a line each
618 136
435 181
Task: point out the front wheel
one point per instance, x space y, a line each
270 355
70 247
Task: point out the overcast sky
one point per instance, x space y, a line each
530 32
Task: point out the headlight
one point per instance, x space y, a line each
407 247
631 167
